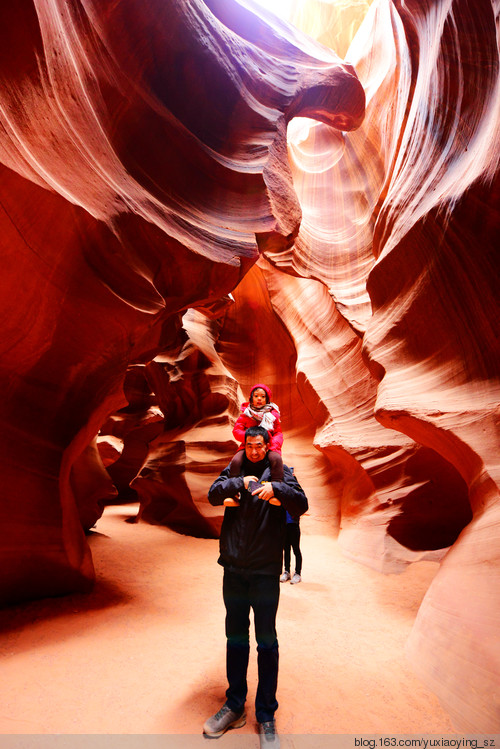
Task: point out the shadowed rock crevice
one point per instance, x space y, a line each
433 514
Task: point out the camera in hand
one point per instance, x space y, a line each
253 485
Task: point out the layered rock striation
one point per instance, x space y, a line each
401 225
146 175
143 155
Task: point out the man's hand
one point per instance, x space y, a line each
265 491
247 480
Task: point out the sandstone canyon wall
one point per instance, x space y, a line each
401 224
133 136
145 176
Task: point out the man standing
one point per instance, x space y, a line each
251 549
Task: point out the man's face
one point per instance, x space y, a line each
255 448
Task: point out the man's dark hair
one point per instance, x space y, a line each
257 432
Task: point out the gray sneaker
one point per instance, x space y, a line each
295 579
269 739
284 577
222 720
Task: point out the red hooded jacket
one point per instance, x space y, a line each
243 422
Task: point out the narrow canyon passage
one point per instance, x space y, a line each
144 652
194 197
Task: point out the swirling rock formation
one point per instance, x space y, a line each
363 266
199 400
408 252
125 201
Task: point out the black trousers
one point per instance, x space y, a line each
292 539
242 591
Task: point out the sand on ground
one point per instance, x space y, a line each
144 653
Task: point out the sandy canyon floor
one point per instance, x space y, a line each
144 652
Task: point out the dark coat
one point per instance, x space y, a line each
253 534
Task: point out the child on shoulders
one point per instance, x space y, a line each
259 410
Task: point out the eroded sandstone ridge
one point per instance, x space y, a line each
408 251
143 152
145 175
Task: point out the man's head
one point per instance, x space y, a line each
256 443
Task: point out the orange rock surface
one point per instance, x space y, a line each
143 152
146 175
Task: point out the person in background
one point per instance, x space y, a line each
292 541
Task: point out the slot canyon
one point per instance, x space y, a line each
199 195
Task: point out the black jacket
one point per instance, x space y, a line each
253 534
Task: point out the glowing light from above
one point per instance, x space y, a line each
281 8
334 23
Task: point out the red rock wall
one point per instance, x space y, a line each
142 150
144 165
401 223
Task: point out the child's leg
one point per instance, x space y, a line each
276 463
235 470
236 463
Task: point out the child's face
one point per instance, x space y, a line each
259 398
